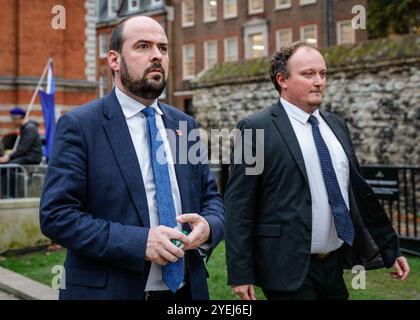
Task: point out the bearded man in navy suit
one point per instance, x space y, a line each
113 203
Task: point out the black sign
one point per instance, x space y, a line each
384 181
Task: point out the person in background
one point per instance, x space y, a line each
29 148
28 151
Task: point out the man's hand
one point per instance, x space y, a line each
200 229
159 247
4 159
245 292
401 268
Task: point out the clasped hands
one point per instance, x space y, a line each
161 250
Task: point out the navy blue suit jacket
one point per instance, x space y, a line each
94 204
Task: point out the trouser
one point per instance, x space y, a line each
324 280
181 295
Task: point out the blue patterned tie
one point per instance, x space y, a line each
341 214
172 273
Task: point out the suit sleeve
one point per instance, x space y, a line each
240 203
62 215
379 225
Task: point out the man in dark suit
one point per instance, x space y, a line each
292 228
116 194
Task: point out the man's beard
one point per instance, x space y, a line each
143 88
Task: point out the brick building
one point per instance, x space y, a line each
27 39
204 32
210 31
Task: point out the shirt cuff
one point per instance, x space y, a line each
203 249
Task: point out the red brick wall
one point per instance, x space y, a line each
27 40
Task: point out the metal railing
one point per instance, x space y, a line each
398 189
14 181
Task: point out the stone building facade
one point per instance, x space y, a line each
374 86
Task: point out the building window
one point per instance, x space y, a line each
102 86
255 6
188 61
113 6
283 36
210 10
283 4
103 45
231 49
156 3
345 32
230 9
305 2
210 53
256 38
133 5
188 13
309 34
257 47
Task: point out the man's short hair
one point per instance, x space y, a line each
278 61
117 39
18 112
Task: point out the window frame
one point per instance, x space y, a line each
184 23
289 30
206 53
225 14
225 41
338 30
306 2
131 8
101 42
278 6
184 60
111 13
206 5
316 33
255 11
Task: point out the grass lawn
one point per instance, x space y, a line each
379 284
35 265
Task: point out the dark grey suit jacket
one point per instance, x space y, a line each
268 219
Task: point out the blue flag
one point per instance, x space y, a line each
48 109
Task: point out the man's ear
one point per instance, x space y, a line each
281 81
114 60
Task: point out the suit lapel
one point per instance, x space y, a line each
120 140
181 170
283 125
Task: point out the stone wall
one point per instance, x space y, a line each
379 97
19 224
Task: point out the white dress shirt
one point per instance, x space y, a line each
324 234
138 127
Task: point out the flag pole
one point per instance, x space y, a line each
34 97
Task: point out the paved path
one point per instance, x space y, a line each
6 296
24 288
